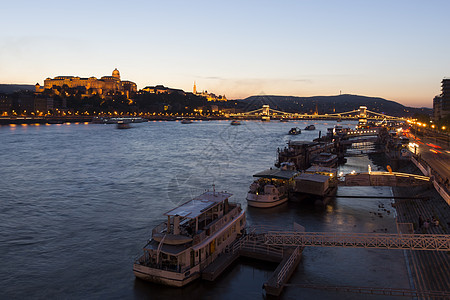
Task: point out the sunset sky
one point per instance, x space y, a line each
398 50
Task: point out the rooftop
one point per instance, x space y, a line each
321 169
197 206
276 174
312 177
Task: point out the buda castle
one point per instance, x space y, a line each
104 86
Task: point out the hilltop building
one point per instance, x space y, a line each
208 96
161 89
90 86
441 103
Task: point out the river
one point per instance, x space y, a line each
79 201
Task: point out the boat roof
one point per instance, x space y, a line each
276 174
312 177
314 169
197 206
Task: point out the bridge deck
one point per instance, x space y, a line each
436 242
384 179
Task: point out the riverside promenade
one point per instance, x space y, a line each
428 269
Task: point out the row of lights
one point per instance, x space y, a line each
425 125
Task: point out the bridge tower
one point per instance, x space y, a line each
265 113
362 123
363 112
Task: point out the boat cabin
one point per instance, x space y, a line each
316 180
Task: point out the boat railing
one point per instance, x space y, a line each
216 225
199 237
167 267
160 228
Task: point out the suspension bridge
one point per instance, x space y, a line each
265 112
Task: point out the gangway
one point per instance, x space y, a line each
377 178
436 242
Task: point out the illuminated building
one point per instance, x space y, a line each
91 86
160 89
208 96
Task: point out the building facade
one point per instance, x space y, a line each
441 103
208 96
90 86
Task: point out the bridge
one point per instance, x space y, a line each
436 242
383 179
361 113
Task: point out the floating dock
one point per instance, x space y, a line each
254 246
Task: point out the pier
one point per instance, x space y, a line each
253 245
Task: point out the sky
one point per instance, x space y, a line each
398 50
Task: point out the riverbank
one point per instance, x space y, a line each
429 269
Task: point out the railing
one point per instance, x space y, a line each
435 242
160 228
440 188
199 237
216 225
376 290
252 243
287 266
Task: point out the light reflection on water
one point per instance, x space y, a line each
79 201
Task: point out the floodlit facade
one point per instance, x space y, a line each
93 86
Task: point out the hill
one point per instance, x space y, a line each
12 88
330 104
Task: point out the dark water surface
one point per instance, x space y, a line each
78 202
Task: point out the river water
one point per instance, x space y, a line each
78 202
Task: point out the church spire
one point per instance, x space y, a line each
194 90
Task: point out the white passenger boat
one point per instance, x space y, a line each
272 188
194 234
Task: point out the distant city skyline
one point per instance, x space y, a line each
397 50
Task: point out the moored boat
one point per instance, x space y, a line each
193 236
317 181
235 122
295 131
186 121
123 125
325 159
310 127
271 188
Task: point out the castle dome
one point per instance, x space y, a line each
116 73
